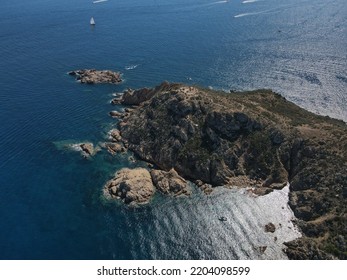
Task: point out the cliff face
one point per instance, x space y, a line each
251 138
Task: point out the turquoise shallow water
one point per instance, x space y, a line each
50 206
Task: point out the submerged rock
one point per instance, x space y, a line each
132 186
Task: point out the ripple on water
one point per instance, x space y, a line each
189 228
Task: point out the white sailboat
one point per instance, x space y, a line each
92 21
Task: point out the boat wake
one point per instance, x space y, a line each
131 67
249 1
251 14
199 6
99 1
218 2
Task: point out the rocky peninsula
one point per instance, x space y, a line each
92 76
243 139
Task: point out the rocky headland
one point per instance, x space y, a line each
242 139
92 76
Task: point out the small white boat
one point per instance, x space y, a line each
92 21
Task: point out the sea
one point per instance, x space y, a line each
51 203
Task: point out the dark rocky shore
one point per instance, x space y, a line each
256 139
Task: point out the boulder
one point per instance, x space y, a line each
116 114
206 188
132 186
87 149
115 135
114 148
116 101
270 227
169 182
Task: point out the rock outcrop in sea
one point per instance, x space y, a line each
92 76
256 139
132 186
86 149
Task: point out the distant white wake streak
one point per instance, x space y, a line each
219 2
248 14
249 1
255 13
215 3
99 1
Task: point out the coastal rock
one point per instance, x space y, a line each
270 227
132 186
116 114
262 249
114 148
92 76
116 101
115 135
206 188
261 191
169 182
86 149
136 97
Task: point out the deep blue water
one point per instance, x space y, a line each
50 199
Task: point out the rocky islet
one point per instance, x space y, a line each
93 76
